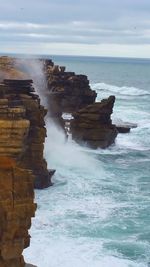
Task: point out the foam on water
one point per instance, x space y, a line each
97 212
124 90
76 219
72 253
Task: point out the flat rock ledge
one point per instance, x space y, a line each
30 265
125 127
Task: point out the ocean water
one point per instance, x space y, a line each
97 214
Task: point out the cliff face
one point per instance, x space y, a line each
16 210
92 125
20 95
67 89
16 186
22 134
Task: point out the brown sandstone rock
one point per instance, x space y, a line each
8 69
68 90
26 120
16 210
22 135
92 125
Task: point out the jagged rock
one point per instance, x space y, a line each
92 125
68 90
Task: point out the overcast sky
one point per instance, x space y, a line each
76 27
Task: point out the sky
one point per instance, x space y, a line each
117 28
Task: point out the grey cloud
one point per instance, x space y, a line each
80 21
64 10
71 34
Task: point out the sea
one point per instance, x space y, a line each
97 213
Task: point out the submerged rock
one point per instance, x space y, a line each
93 126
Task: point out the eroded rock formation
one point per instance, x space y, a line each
20 94
92 125
22 166
67 89
16 184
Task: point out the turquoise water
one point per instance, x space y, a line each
97 213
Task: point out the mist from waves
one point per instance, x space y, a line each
34 69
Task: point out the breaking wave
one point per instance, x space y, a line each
122 90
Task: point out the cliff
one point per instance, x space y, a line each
20 95
16 185
68 90
22 166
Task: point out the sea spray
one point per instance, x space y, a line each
56 146
97 212
34 69
66 153
119 90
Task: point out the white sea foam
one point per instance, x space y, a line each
72 208
123 90
83 200
67 252
67 154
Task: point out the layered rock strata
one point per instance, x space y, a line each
16 184
69 90
22 166
66 91
92 125
20 95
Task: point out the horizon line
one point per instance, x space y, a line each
69 55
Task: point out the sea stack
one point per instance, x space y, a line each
92 125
